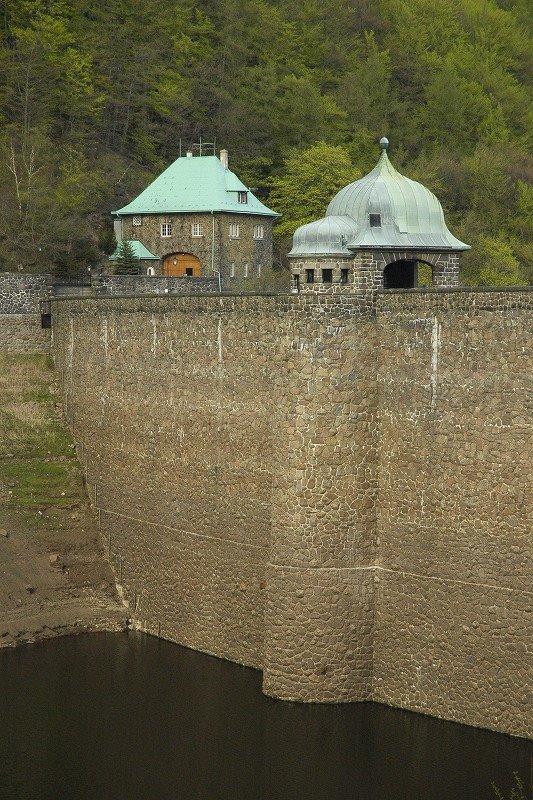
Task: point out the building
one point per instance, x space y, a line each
376 233
198 219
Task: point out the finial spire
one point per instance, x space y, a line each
384 143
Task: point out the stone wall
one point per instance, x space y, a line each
328 487
143 285
366 270
20 294
20 317
22 333
454 520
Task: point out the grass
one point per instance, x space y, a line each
38 465
34 482
30 423
517 791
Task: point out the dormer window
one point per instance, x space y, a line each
375 220
242 197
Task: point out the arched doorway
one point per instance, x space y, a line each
181 264
400 275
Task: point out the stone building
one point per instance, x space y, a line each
376 233
198 219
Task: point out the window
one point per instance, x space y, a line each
166 229
259 232
137 221
233 231
188 272
197 229
150 272
310 275
242 197
344 275
232 270
327 275
375 220
245 271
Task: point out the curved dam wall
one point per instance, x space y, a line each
328 488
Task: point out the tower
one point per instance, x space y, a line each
375 234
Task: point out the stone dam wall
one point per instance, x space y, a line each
329 488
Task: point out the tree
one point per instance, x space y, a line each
127 262
491 262
310 179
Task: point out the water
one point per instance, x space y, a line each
129 717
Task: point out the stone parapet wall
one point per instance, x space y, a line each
146 285
22 333
21 294
328 487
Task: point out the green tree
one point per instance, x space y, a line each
310 179
491 262
127 262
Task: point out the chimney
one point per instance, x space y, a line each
189 153
224 158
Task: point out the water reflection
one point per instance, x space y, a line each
125 717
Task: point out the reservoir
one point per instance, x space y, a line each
131 717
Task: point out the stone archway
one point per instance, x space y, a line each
400 275
181 264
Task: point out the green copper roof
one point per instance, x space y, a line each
139 250
410 216
198 183
327 236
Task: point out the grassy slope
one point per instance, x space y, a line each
44 510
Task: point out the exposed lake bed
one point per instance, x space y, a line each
130 716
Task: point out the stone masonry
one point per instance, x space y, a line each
150 285
331 488
365 270
20 313
21 294
245 263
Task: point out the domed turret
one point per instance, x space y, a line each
386 224
391 210
326 236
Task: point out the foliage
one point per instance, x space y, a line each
126 262
94 101
310 179
517 791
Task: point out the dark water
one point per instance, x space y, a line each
127 716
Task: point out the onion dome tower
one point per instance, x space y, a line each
375 233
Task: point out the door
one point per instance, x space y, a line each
180 264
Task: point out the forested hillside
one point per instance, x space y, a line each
94 99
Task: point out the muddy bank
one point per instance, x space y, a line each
54 578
